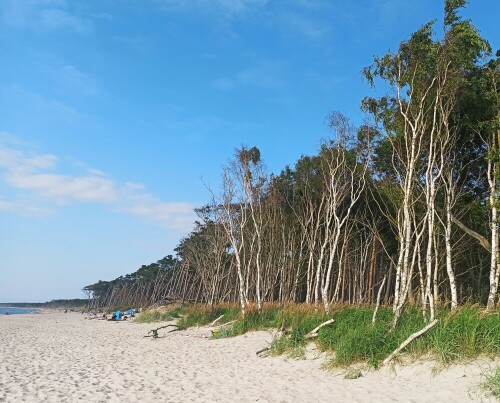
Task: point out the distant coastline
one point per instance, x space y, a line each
76 303
21 305
11 310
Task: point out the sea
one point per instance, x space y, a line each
16 311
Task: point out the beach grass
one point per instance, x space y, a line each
492 383
462 335
465 334
160 315
202 315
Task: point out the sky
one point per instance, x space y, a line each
117 116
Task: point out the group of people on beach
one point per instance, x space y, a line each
115 316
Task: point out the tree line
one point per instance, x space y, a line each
401 209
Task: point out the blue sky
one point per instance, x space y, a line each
114 113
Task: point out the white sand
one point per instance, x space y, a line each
61 357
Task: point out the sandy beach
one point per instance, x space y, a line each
61 357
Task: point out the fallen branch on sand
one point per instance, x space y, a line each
154 332
314 333
264 352
218 329
216 320
196 336
409 340
227 323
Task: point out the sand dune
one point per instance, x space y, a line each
60 357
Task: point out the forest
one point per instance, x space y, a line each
400 210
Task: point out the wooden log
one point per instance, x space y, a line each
263 352
216 320
227 323
409 340
154 332
314 333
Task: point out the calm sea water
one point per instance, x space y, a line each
16 311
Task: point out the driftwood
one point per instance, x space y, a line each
227 323
409 340
217 330
264 352
154 332
314 333
216 320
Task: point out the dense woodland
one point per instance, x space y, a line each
400 210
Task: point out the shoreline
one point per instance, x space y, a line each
62 357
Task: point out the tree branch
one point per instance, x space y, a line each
314 333
409 340
482 240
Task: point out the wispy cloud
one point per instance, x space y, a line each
40 103
294 24
75 80
224 8
63 189
43 15
41 181
182 123
60 19
22 208
264 74
177 216
304 19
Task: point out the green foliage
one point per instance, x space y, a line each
201 315
465 334
159 315
354 339
450 10
246 155
145 274
428 73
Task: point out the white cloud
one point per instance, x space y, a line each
177 216
15 160
63 188
23 208
42 184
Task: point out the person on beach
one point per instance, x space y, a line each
116 316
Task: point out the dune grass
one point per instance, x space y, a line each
463 335
492 384
159 315
201 315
